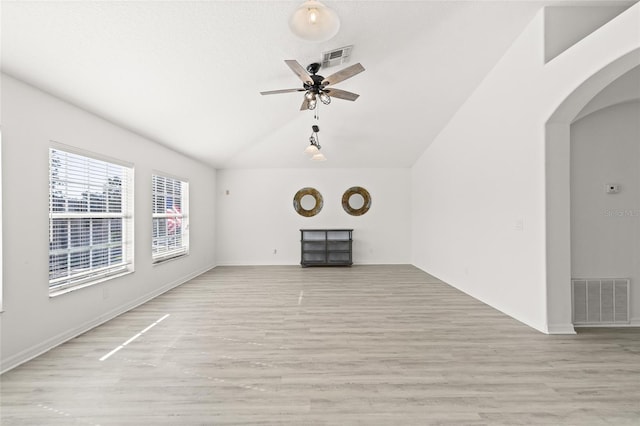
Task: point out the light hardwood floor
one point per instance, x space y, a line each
367 345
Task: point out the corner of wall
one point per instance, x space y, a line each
561 329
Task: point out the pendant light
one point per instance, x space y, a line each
314 148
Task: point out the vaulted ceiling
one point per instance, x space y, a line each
188 74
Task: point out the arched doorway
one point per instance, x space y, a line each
557 177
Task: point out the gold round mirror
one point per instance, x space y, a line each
356 201
307 202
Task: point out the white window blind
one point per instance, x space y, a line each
170 206
90 219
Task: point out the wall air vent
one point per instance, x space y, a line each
600 301
336 56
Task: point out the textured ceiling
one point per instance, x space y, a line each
188 74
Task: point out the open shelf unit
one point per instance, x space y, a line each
326 247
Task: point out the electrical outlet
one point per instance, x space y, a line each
275 251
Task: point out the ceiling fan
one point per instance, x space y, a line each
316 86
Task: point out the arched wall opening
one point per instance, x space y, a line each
557 180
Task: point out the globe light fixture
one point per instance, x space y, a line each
313 21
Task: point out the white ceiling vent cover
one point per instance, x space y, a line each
336 56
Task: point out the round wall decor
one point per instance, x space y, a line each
299 204
356 201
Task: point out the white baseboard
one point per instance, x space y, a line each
561 329
634 322
258 263
42 347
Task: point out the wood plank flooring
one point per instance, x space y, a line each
366 345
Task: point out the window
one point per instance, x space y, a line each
170 204
1 274
90 220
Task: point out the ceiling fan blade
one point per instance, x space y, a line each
274 92
305 104
341 94
299 71
343 74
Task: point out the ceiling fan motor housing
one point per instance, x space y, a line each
317 85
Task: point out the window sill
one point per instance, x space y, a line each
169 258
57 293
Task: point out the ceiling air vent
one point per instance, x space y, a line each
336 56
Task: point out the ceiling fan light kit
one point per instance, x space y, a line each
313 21
324 98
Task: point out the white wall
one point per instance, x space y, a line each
32 322
480 192
257 216
605 228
